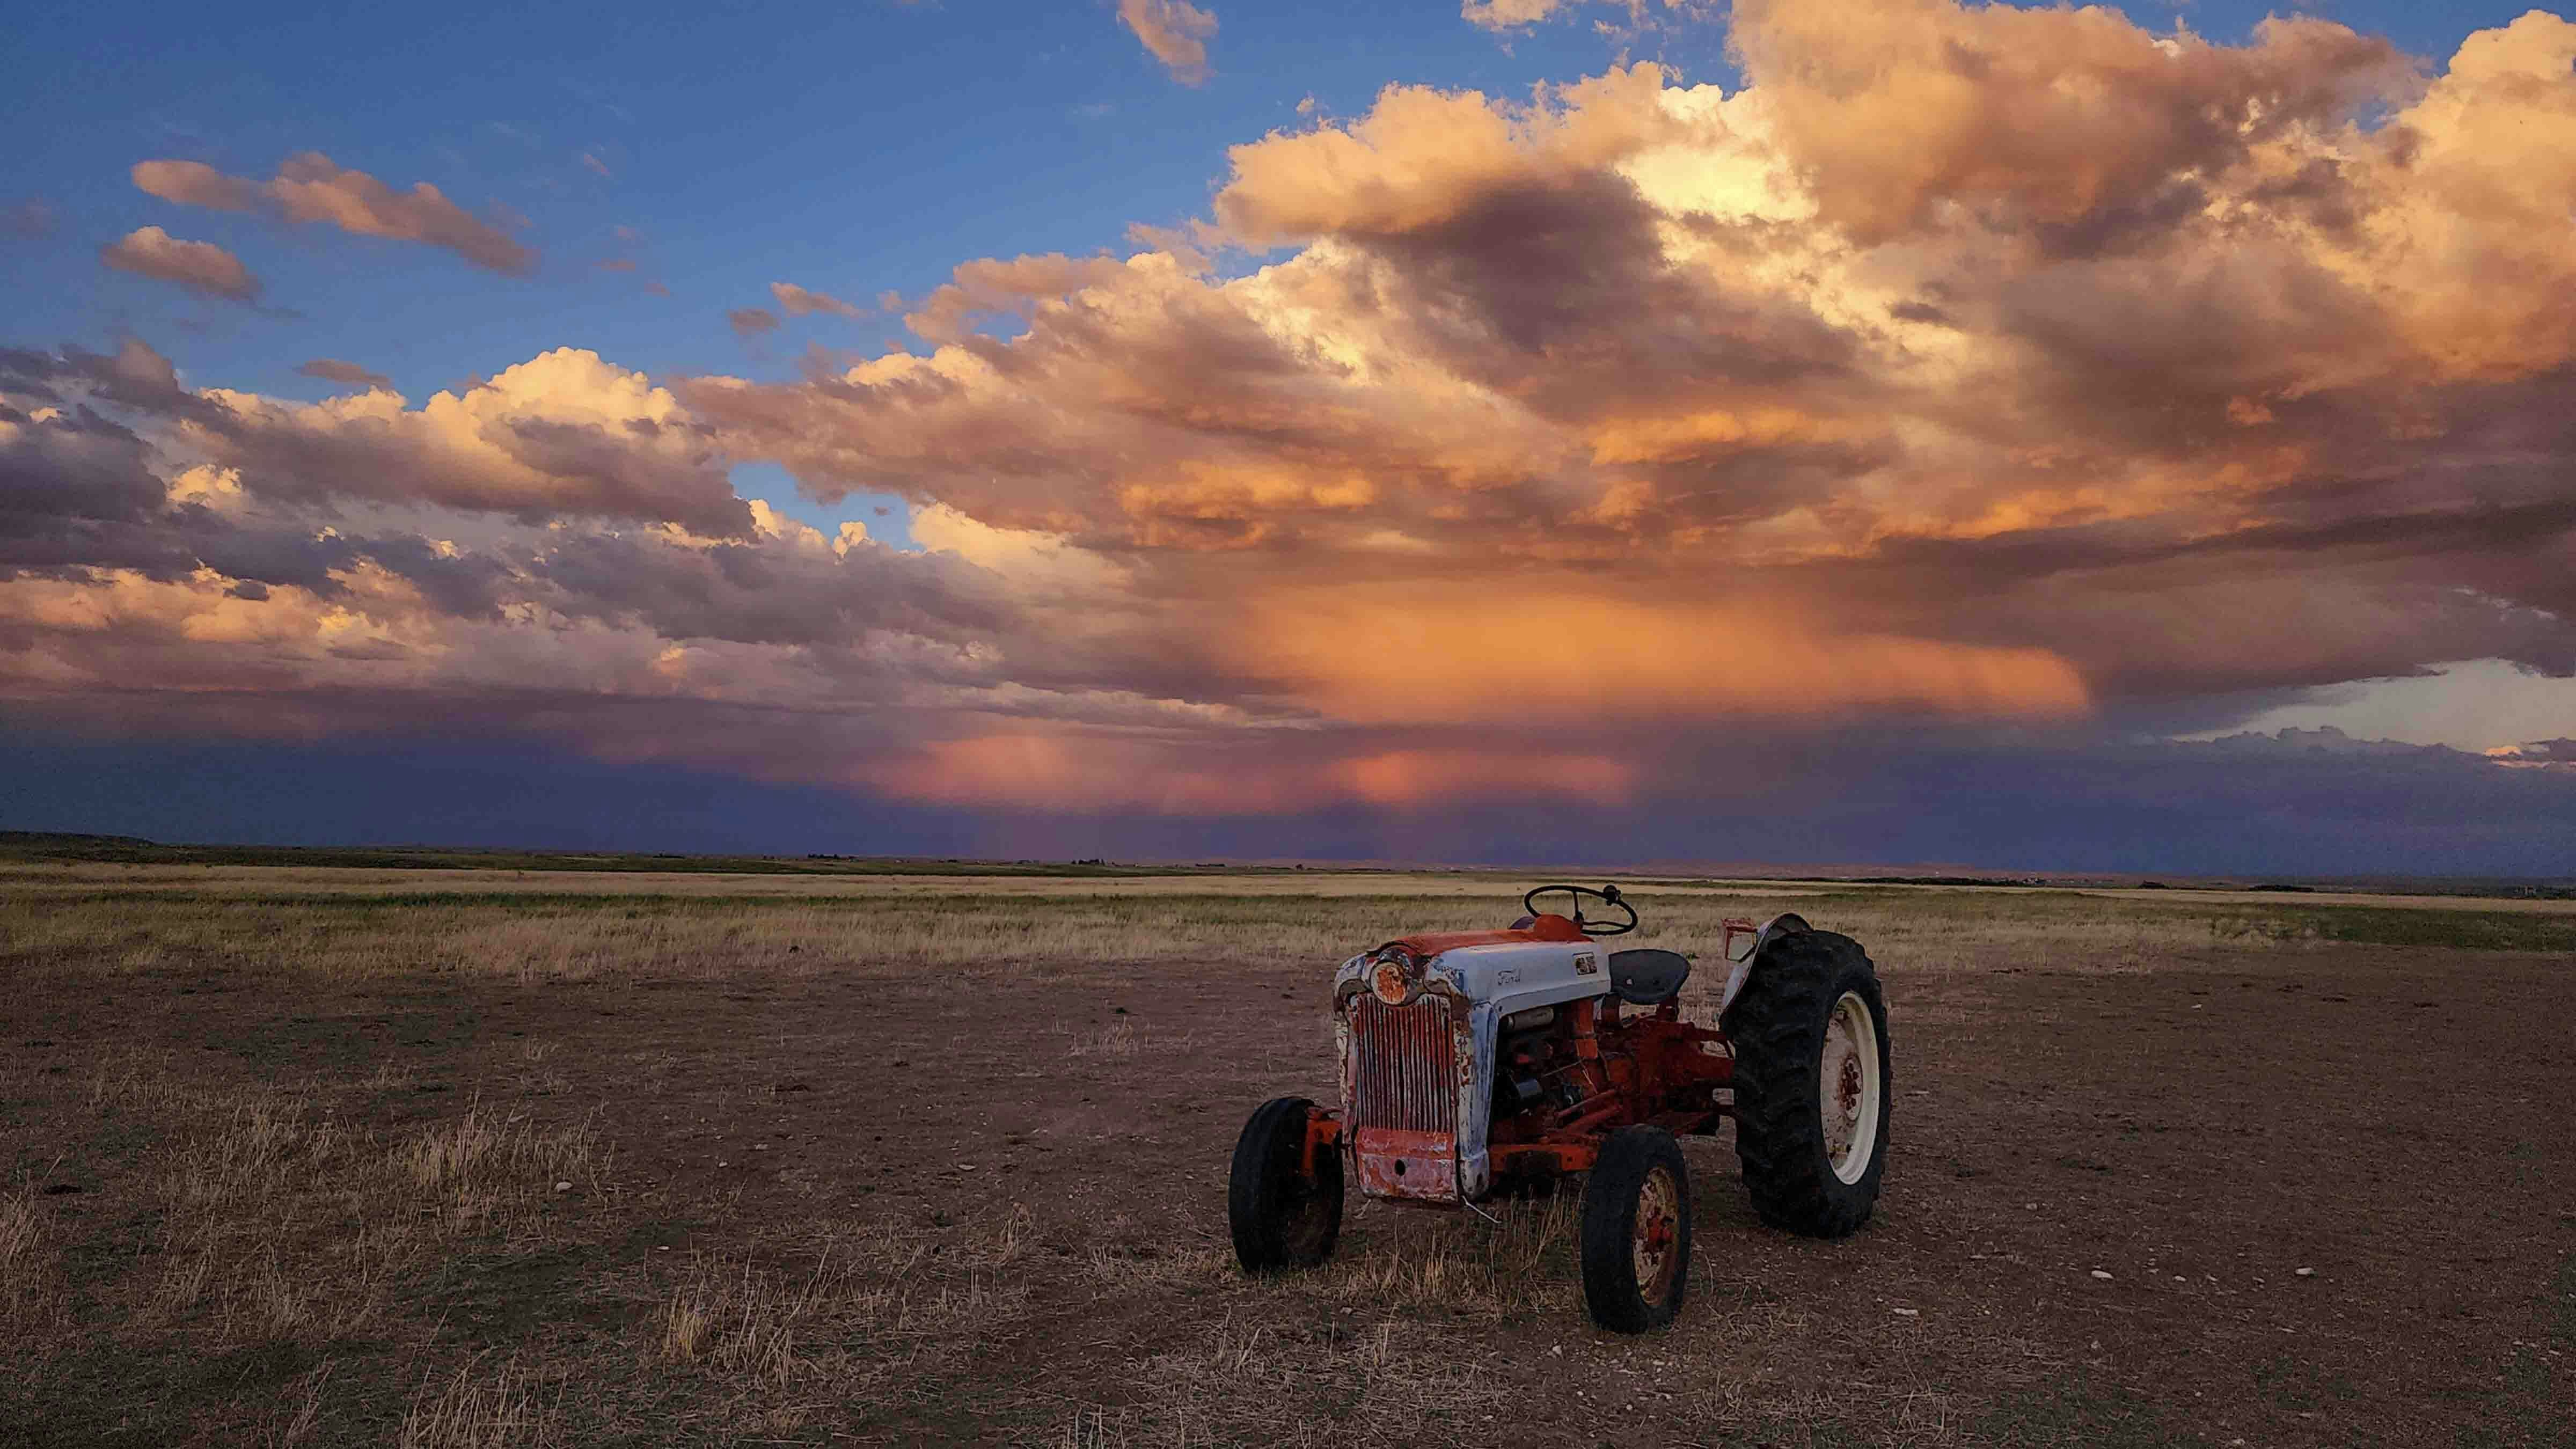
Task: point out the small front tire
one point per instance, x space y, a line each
1637 1231
1282 1216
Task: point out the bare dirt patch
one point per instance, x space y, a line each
466 1168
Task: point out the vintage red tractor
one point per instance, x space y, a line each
1475 1063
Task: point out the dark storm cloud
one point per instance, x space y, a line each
134 376
74 465
759 593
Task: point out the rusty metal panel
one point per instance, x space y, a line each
1401 1076
1404 1073
1415 1165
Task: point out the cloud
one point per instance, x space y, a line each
1458 655
1177 33
311 187
1893 409
347 374
194 183
69 467
798 301
1423 158
560 436
1500 15
2558 754
201 267
2078 121
752 321
538 545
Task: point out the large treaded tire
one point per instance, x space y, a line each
1281 1217
1612 1199
1778 1024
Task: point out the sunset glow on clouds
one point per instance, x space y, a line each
1947 379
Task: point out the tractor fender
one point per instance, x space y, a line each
1779 925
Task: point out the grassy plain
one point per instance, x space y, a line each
312 1155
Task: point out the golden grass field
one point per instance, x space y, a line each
303 1156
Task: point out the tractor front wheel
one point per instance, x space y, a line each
1811 1083
1637 1231
1283 1215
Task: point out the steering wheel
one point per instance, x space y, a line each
1607 895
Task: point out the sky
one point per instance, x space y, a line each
1897 431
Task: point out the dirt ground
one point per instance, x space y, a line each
2281 1193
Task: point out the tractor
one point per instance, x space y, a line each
1479 1064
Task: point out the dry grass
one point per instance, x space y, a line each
1387 1385
301 1424
276 1221
482 1406
30 1268
1458 1265
859 1329
783 937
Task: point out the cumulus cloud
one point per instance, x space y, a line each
347 374
1177 33
798 301
2073 123
2127 334
311 187
561 436
748 322
201 267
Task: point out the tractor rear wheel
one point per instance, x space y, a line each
1811 1083
1636 1231
1282 1215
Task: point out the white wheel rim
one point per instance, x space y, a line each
1847 1088
1654 1236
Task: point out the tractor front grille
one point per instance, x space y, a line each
1404 1066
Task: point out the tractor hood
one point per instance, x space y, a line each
1503 976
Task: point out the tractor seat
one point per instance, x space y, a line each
1646 976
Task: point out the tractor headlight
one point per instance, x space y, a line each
1392 977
